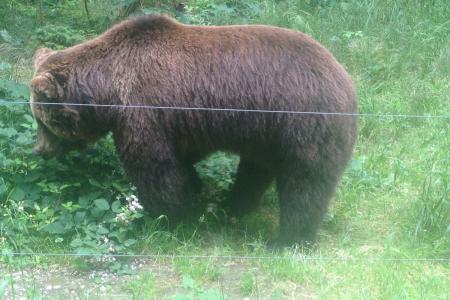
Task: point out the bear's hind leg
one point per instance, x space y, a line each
252 180
304 195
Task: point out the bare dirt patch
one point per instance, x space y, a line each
237 280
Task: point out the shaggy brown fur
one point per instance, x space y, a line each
153 60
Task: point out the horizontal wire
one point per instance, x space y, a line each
4 102
228 257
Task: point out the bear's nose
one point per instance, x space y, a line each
37 151
44 154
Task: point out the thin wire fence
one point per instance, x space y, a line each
5 102
296 257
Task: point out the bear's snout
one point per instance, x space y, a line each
47 144
44 152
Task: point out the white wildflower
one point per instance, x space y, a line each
133 203
212 208
122 218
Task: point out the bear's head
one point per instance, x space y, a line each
60 126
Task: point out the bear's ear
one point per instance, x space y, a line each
40 55
46 87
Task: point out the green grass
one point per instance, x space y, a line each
143 287
393 201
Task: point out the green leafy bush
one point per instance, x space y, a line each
57 36
38 203
12 90
217 173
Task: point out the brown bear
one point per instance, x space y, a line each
155 61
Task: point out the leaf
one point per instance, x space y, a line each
115 206
14 89
32 177
28 118
17 194
84 201
108 217
102 230
97 212
138 215
76 243
119 187
55 228
120 236
129 242
101 204
24 140
95 183
79 217
8 132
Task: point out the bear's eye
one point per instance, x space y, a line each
56 124
64 127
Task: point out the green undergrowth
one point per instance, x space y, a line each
393 202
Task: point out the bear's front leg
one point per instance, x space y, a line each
164 188
162 180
